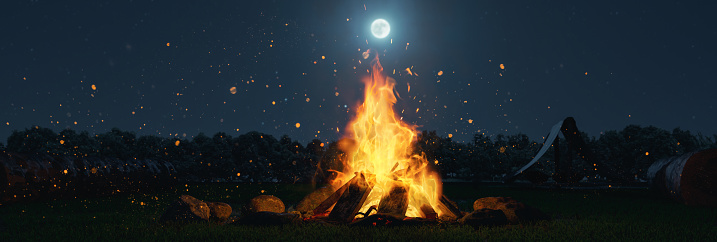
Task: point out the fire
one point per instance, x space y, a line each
379 143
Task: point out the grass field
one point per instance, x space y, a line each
603 215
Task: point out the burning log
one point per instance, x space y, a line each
690 178
427 212
331 200
353 198
396 201
449 208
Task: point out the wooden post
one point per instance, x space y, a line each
396 201
353 198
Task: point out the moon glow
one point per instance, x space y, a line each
380 28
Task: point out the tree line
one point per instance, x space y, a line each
260 157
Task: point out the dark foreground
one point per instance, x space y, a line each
605 215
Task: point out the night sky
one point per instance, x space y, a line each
169 68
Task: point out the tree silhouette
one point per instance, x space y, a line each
259 157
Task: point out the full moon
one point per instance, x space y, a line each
380 28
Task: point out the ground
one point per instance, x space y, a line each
605 214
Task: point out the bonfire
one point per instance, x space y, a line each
381 174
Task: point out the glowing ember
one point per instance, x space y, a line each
379 143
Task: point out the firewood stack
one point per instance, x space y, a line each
343 205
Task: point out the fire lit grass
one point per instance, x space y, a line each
605 215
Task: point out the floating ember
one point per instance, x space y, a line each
381 173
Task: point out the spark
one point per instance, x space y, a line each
409 71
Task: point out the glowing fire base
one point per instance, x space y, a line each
348 200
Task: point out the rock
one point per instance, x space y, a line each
312 200
264 203
219 210
270 218
515 211
484 217
185 209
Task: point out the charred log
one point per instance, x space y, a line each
427 212
353 198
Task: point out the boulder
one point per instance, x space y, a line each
264 203
312 200
484 217
185 209
219 210
515 211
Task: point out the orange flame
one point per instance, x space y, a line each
381 144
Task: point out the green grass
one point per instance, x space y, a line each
604 215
